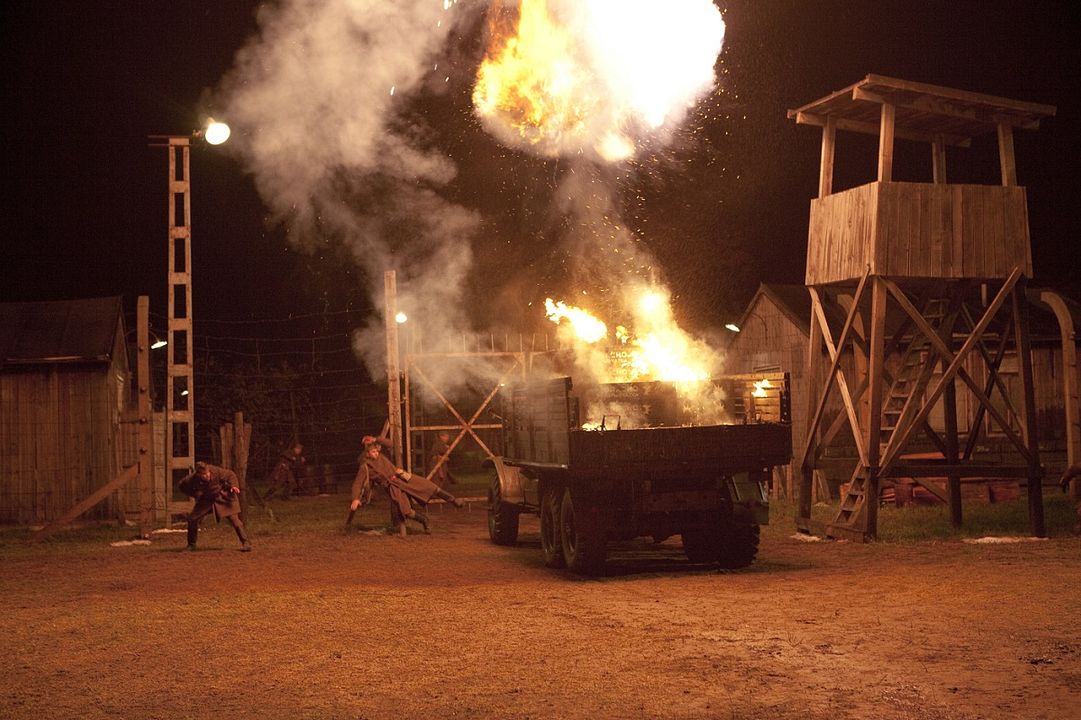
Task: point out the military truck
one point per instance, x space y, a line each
638 469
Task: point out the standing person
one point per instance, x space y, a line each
401 486
441 447
214 489
283 478
1073 472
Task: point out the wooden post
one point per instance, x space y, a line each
1024 362
142 382
825 171
241 433
810 445
1006 159
885 143
938 160
394 392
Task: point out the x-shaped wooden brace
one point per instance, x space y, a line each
467 425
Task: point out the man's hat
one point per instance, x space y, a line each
369 440
201 466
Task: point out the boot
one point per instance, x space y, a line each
238 526
447 497
423 520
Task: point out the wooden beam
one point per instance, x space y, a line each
127 475
1028 419
817 313
938 160
975 111
810 445
955 368
875 370
885 142
941 468
145 429
825 171
394 390
1006 159
870 128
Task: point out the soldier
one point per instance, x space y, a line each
442 476
1071 473
283 478
400 486
214 489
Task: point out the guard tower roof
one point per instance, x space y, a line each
923 112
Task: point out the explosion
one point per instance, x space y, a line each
594 76
657 350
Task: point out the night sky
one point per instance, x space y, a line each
723 208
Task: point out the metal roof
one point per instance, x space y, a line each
922 111
59 331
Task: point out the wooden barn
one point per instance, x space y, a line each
774 336
64 390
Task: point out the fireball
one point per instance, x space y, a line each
594 77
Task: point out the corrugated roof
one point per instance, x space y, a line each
59 331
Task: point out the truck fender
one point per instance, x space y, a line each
510 481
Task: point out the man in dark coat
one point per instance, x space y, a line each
441 447
283 478
401 486
214 489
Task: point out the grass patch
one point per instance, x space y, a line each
915 523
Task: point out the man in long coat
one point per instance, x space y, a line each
216 490
283 478
400 486
441 447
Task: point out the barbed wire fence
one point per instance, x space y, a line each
296 379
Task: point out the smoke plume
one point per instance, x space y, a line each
322 104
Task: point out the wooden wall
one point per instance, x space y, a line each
58 438
918 230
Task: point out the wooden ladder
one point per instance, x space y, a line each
909 384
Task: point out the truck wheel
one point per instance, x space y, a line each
502 517
702 544
551 547
739 545
584 538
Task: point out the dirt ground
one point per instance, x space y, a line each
317 623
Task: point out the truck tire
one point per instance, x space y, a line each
551 546
583 537
702 544
739 545
502 517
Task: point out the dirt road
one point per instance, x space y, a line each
320 624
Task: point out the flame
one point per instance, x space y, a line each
760 387
595 76
587 327
660 350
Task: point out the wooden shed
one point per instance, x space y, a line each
64 389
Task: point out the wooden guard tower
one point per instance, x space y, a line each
929 279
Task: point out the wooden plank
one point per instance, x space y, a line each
102 493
